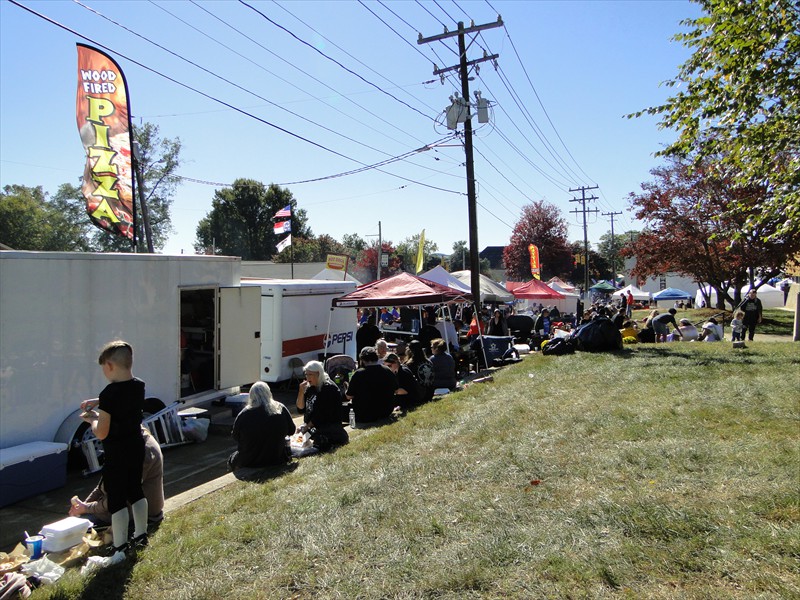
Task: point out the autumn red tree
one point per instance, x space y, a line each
694 222
366 268
542 225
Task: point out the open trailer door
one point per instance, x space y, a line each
239 336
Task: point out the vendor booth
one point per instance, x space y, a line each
491 291
534 292
671 295
638 295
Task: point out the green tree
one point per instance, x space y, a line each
313 250
739 99
459 259
609 249
599 268
407 252
241 220
30 221
159 160
353 243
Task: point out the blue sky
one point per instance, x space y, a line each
567 73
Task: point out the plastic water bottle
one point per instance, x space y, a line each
352 419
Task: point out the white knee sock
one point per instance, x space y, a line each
139 509
119 527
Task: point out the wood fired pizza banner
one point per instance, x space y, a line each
101 109
535 266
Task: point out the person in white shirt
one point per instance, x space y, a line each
712 332
688 330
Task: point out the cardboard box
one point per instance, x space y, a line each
64 534
31 469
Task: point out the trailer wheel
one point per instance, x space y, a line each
76 458
152 406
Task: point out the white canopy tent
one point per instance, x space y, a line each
637 294
570 302
334 275
771 297
491 291
439 275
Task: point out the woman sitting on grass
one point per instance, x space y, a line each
444 366
260 431
422 370
320 401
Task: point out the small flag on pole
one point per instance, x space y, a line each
286 211
284 243
282 227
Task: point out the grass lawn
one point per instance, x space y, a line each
663 471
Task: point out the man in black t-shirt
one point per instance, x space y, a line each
408 389
753 312
371 389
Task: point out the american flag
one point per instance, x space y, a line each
286 211
282 227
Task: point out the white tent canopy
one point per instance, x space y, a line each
770 297
439 275
570 302
635 292
334 275
491 291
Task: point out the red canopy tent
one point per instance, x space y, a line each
533 290
403 289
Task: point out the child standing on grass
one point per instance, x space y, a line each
117 422
737 326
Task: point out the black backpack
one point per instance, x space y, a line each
598 335
559 347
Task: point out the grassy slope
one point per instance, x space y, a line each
662 472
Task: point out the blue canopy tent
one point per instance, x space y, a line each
671 294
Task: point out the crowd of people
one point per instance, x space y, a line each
391 378
385 383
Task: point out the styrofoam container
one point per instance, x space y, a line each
64 534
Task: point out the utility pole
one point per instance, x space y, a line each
583 210
613 245
463 68
137 171
380 250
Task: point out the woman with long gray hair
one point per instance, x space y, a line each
260 430
320 401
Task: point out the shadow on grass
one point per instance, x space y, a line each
262 474
737 356
110 583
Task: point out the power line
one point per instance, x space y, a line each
327 39
294 66
217 100
362 3
333 60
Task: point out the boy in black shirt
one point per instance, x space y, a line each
117 422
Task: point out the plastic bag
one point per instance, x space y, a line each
195 429
44 569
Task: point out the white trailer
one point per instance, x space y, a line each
298 324
58 309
